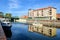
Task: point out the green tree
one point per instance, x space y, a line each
1 14
8 15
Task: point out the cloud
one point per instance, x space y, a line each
13 4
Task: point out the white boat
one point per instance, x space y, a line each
5 22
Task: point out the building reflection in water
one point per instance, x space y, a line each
8 32
48 31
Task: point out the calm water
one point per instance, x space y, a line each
20 32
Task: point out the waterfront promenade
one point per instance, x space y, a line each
2 34
54 23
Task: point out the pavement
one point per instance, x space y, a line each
2 34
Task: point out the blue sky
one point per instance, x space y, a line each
20 7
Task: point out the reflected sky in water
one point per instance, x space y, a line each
20 32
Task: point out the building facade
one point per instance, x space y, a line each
24 17
58 16
48 31
48 13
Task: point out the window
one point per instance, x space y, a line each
50 18
50 31
42 12
50 11
37 14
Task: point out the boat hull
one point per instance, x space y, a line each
6 26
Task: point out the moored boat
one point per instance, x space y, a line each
5 23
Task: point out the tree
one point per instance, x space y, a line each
8 15
1 14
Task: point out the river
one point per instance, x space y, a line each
20 32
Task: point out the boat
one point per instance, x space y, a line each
5 23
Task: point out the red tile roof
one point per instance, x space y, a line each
24 16
58 15
45 8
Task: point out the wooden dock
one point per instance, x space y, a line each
2 34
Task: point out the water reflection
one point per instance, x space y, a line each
20 32
48 31
8 32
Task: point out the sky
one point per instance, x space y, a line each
20 7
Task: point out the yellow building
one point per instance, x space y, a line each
33 28
48 13
30 28
40 29
49 31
